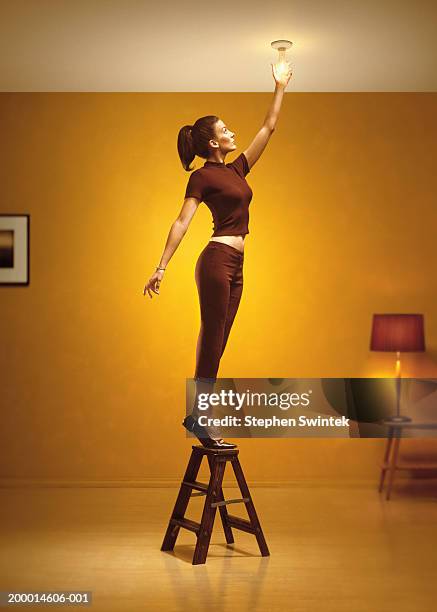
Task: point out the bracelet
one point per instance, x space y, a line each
158 268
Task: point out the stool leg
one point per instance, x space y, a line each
208 515
182 501
223 512
250 507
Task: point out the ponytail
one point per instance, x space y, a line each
186 146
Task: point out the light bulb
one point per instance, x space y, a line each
281 46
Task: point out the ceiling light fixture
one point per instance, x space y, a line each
281 46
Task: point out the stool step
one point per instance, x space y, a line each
229 501
218 452
199 486
186 523
239 523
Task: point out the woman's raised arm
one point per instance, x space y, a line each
261 139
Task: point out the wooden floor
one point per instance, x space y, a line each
333 548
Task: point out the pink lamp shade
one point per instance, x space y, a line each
398 332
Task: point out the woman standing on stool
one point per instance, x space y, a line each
219 268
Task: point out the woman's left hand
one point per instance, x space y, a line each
281 73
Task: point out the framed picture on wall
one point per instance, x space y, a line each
14 249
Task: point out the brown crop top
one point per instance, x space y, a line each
224 190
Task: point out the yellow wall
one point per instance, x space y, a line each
342 225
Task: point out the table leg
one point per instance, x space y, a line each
393 464
385 464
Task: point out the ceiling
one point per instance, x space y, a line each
133 45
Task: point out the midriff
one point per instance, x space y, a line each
234 241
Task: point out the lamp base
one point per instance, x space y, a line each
400 419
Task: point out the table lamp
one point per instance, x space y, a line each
399 333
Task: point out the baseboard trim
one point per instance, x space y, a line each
164 483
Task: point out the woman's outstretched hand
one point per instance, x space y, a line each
281 73
153 283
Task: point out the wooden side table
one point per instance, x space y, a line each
391 455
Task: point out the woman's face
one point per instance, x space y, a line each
225 137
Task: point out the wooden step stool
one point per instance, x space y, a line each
217 459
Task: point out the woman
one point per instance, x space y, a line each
219 268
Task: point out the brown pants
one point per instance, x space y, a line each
219 279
